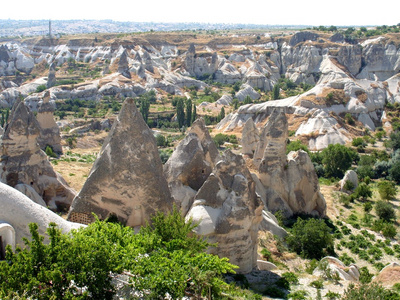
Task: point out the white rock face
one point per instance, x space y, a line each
348 273
19 211
250 138
351 176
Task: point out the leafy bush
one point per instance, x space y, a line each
41 88
295 146
385 211
363 191
310 238
163 258
369 291
387 189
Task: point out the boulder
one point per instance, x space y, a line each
347 273
19 211
351 176
229 212
49 130
24 162
247 90
126 179
266 265
190 165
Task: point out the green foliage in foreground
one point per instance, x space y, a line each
164 257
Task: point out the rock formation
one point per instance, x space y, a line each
190 165
250 138
288 183
348 273
49 131
123 65
351 176
127 179
23 162
229 212
18 211
51 78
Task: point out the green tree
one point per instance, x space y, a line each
180 112
275 92
145 108
369 291
221 114
295 146
337 159
310 238
188 112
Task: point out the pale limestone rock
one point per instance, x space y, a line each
266 265
250 138
190 165
127 179
229 212
247 90
19 211
351 176
347 273
7 234
123 65
49 131
288 182
24 162
28 191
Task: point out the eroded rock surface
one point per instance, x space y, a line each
190 165
229 212
24 162
127 179
288 182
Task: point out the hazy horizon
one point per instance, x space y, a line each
296 13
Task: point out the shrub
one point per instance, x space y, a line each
369 291
41 88
49 151
298 295
385 211
310 238
387 189
332 295
318 284
363 191
365 275
295 146
389 230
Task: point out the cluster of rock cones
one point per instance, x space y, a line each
215 190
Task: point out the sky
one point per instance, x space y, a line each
267 12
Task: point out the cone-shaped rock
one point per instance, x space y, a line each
229 212
23 162
127 179
190 164
49 130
